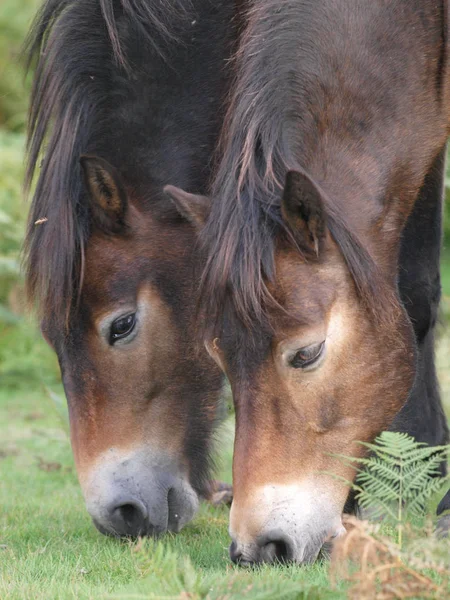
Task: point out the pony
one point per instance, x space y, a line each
322 231
127 97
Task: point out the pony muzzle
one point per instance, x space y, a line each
283 523
138 494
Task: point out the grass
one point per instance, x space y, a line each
50 550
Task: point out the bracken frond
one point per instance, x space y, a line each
377 569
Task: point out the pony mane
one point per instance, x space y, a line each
255 153
82 51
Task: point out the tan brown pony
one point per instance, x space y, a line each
322 279
126 97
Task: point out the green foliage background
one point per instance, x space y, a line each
24 357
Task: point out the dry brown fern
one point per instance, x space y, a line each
377 569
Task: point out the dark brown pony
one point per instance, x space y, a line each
127 96
322 277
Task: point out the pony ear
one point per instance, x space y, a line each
107 195
303 210
192 207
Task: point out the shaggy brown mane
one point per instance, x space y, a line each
256 151
83 52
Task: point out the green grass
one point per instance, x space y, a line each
49 548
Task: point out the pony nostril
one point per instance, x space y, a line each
130 514
174 511
237 557
130 518
235 554
276 549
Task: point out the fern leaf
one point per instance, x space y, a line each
381 469
418 475
398 477
377 507
378 487
416 503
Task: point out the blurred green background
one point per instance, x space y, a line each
24 357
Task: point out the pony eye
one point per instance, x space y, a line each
122 327
305 357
